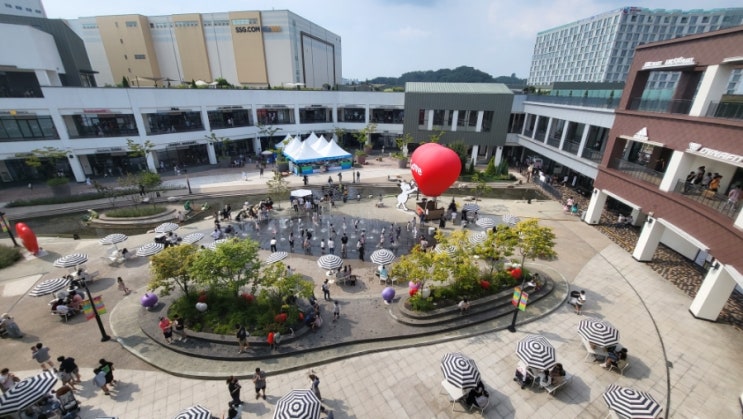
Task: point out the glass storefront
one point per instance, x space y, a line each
351 114
315 114
171 122
229 118
387 115
27 127
275 116
100 125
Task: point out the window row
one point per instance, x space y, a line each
443 119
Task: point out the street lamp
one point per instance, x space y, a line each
512 327
188 182
6 226
104 336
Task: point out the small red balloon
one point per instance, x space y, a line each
280 318
28 237
516 273
434 168
484 284
412 291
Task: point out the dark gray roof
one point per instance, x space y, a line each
460 88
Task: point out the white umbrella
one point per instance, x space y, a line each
49 286
631 403
27 392
298 404
460 370
213 245
267 152
275 257
510 219
536 352
301 193
194 412
150 249
192 238
330 262
382 257
470 207
485 222
599 332
70 261
445 248
113 239
166 228
477 238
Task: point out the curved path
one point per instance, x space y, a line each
686 364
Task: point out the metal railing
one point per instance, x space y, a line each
586 102
727 110
553 141
710 199
679 106
593 155
571 147
637 171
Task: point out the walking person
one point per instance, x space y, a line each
7 380
259 379
315 386
167 328
180 328
358 177
291 242
326 291
273 244
360 248
233 386
242 338
331 246
40 353
104 375
68 365
122 286
336 310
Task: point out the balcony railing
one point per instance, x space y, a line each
727 110
593 155
709 199
571 147
637 171
679 106
586 102
554 141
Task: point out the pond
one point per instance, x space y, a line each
66 225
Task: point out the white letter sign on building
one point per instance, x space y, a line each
671 62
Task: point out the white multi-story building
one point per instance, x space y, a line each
246 48
30 8
600 48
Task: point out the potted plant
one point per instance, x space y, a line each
402 160
360 156
282 165
60 186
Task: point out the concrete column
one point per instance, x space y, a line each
583 140
205 119
478 126
564 134
713 85
211 153
677 169
713 294
547 133
648 241
77 168
429 124
473 157
595 207
454 120
152 161
498 155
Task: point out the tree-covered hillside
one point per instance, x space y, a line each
461 74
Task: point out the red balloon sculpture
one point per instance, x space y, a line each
29 238
434 168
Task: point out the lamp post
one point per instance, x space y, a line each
6 226
104 336
188 182
512 327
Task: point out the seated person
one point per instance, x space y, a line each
76 301
545 379
229 230
614 357
621 220
217 234
317 323
577 299
521 376
62 309
125 253
383 274
187 207
464 306
478 396
557 373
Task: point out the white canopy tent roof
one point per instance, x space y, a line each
320 144
333 150
305 154
293 145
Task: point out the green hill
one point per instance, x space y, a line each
461 74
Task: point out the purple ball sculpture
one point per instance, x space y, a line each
148 300
388 294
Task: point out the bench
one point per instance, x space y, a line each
552 388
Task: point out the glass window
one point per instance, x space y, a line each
422 119
131 24
315 115
13 128
139 56
351 114
172 122
275 116
229 118
100 125
387 116
487 121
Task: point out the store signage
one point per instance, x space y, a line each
180 143
715 154
107 150
255 28
671 62
96 110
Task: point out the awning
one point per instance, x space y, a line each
639 140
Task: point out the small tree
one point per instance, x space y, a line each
528 239
267 130
228 267
364 135
278 186
340 133
171 268
48 155
222 83
278 285
222 141
403 141
139 150
490 169
460 148
436 137
481 185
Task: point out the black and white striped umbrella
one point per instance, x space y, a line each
71 261
150 249
113 239
382 257
630 403
192 238
598 332
27 392
510 219
477 238
275 257
49 286
194 412
298 404
213 245
470 206
330 262
536 352
460 370
445 249
486 222
166 228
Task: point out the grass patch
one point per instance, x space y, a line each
9 256
131 212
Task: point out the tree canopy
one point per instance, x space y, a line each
462 74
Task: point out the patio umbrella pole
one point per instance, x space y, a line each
104 336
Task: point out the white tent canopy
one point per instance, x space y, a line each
305 154
320 144
293 145
333 150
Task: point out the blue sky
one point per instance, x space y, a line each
390 37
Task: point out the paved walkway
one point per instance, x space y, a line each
686 364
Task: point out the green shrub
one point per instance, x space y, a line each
130 212
57 181
419 303
9 256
